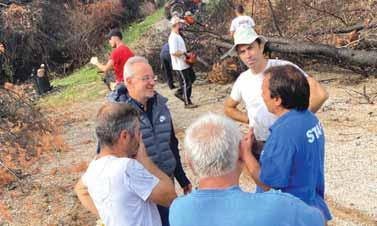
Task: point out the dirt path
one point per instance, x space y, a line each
351 153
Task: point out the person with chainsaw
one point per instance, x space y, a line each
181 63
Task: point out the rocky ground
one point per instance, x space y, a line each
351 133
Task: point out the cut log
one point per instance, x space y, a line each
339 56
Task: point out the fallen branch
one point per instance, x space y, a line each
340 56
356 27
325 11
369 97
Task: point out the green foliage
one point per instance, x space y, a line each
86 83
137 29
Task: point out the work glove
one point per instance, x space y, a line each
94 60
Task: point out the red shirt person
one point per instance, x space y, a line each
118 57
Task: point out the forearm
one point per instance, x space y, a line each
153 169
84 197
179 173
164 193
179 53
318 95
253 168
236 114
102 67
317 102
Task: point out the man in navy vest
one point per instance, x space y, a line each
293 157
155 122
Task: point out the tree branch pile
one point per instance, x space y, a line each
24 133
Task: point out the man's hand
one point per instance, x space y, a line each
141 152
187 189
246 144
94 60
2 49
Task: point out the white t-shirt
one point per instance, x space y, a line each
248 88
120 188
242 21
176 43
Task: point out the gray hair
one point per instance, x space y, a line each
112 119
127 70
212 144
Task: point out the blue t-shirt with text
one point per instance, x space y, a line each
293 158
234 207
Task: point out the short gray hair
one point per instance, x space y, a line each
112 119
127 70
212 144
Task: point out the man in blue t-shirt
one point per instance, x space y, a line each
292 159
212 146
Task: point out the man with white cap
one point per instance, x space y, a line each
185 73
248 87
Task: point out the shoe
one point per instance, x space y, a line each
179 97
172 87
190 106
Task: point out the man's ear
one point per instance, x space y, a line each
124 136
128 81
277 101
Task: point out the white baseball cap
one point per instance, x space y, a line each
175 19
245 36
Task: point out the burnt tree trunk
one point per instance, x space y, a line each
365 60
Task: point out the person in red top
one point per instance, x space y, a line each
118 57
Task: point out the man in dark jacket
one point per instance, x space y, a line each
165 60
155 122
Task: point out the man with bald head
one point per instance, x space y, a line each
216 155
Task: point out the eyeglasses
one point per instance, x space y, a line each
146 78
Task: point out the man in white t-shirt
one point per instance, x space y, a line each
241 21
185 73
121 184
248 87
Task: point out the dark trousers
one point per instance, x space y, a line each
185 78
167 71
164 214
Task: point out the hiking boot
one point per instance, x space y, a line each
190 106
179 97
